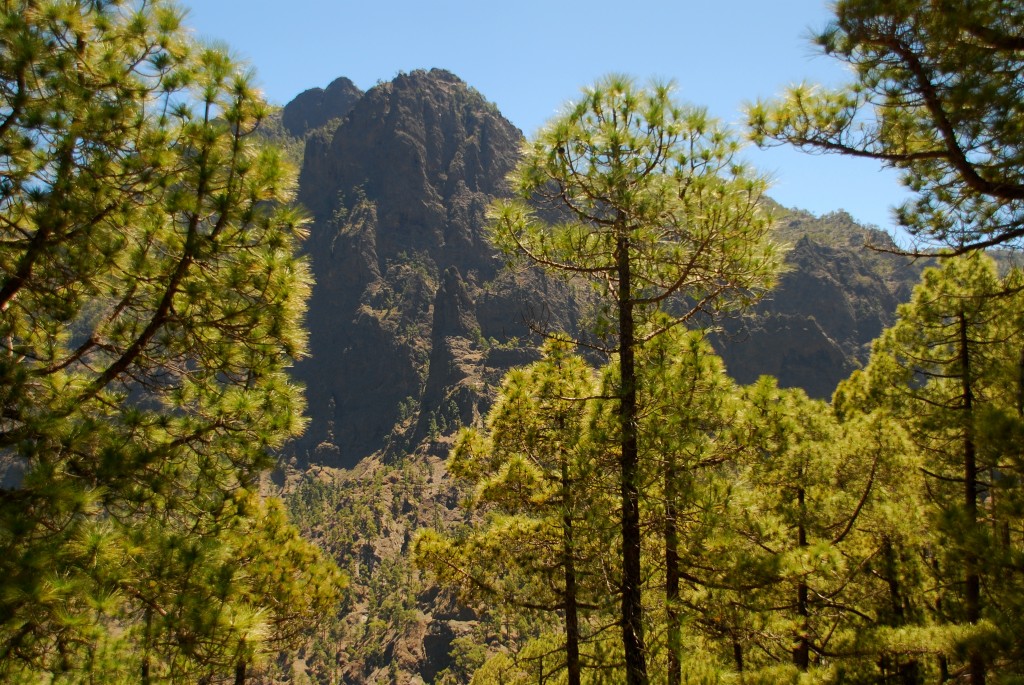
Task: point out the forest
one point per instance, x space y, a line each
613 507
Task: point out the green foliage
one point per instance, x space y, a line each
660 217
630 166
150 304
776 548
812 540
936 95
687 406
364 520
272 130
539 485
949 371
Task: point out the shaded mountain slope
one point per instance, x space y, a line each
836 297
413 321
408 289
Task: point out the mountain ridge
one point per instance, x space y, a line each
413 319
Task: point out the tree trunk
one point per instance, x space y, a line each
240 673
632 607
972 589
910 673
802 651
572 625
892 580
907 673
145 656
672 577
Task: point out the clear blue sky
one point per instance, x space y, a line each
529 57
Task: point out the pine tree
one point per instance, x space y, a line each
150 303
793 577
659 215
885 628
949 371
543 540
788 463
687 409
937 96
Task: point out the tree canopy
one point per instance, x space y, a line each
936 95
949 371
151 301
658 213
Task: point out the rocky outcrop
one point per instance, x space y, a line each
413 321
398 192
315 107
836 296
455 388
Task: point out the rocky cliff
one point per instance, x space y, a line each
316 107
409 295
413 320
835 297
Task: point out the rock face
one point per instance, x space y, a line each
408 291
413 321
315 107
817 325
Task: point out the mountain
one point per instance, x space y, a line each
316 107
835 297
409 294
413 319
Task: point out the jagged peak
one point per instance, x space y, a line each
436 76
427 84
312 108
423 80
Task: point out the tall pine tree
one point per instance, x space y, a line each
150 303
542 494
660 216
950 371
